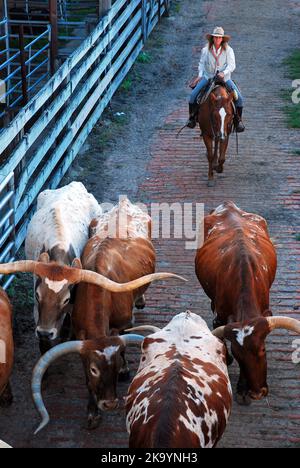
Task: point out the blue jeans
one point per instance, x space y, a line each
230 84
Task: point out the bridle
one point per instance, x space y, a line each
216 137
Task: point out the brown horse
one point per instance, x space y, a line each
215 117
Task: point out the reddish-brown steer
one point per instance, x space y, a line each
6 349
236 267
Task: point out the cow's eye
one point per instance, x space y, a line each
66 301
95 371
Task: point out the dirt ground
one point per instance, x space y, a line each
137 154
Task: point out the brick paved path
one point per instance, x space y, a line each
263 179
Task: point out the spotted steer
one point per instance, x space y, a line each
181 396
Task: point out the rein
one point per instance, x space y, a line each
212 125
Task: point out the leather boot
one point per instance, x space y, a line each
239 126
193 109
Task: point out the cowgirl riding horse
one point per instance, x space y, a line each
216 56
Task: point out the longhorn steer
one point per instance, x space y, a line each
181 396
99 314
6 349
58 233
4 445
236 267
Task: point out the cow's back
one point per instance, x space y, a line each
237 255
181 396
62 218
120 260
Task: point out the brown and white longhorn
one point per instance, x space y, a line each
181 395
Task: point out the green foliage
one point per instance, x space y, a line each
292 63
177 7
292 110
21 291
127 84
144 57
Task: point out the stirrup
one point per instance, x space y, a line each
191 123
240 127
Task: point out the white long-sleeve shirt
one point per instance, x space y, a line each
208 64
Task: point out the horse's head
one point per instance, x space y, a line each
221 112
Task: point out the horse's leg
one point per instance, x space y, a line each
216 154
223 149
6 398
210 156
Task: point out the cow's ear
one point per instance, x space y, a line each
231 331
229 334
267 313
44 257
77 263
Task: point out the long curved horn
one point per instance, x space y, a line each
39 371
219 332
53 271
132 339
149 328
57 272
285 323
23 266
99 280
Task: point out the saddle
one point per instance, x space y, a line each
212 84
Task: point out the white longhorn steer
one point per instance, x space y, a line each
58 233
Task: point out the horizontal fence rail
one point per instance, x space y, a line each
39 145
24 64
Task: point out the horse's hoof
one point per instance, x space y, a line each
220 169
93 422
243 400
211 183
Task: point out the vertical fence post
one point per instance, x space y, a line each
144 20
23 64
54 35
7 45
167 4
104 7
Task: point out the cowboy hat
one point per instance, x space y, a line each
218 32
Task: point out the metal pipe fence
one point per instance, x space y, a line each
42 141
